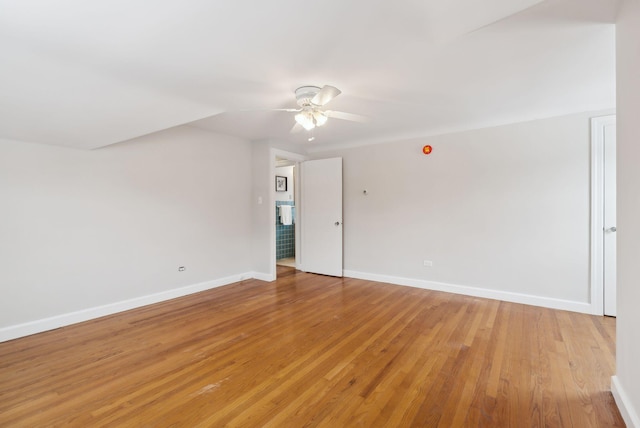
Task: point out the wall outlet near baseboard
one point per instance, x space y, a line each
427 263
181 268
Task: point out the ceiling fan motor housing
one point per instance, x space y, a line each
305 94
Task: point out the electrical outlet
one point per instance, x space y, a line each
427 263
181 268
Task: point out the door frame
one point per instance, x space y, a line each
297 159
597 211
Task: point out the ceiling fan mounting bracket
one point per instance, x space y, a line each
305 94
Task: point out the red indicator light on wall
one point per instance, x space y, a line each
427 149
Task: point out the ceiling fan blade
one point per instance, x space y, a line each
296 128
289 110
326 94
346 116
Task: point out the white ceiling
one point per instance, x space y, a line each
87 74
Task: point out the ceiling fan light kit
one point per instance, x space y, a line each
311 113
311 100
309 118
320 118
305 119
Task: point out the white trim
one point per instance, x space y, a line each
596 279
57 321
295 157
624 404
263 276
299 214
527 299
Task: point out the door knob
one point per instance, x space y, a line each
612 229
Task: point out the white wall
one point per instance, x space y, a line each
503 209
81 229
263 183
285 171
627 379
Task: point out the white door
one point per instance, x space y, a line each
321 200
609 238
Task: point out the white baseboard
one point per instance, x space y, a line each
263 276
506 296
624 404
45 324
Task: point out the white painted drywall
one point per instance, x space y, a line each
285 171
503 209
628 159
262 209
82 229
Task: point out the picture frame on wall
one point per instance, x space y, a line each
281 183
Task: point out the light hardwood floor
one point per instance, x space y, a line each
311 350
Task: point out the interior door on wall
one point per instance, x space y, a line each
321 240
609 239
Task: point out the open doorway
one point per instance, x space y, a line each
286 212
289 197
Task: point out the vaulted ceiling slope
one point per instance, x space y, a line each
88 74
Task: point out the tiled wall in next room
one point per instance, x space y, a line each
285 235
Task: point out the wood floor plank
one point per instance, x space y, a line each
311 350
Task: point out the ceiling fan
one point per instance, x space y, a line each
311 113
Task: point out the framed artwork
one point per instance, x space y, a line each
281 183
